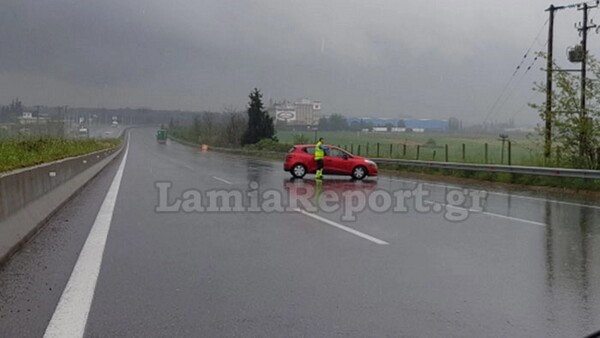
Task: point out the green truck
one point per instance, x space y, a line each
161 136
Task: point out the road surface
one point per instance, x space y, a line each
523 265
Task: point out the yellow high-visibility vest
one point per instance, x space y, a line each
319 153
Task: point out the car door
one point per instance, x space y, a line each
335 161
308 159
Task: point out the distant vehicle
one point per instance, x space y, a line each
161 136
300 161
107 132
83 132
115 124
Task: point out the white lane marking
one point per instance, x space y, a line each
71 314
505 194
183 164
475 211
511 218
222 180
547 200
343 227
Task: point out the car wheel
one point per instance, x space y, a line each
359 172
298 171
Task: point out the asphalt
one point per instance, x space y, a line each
524 266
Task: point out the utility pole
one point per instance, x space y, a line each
37 116
583 28
550 63
504 139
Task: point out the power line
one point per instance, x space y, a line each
505 88
516 86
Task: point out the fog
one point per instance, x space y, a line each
425 59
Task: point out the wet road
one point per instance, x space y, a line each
436 262
106 131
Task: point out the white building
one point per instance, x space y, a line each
303 112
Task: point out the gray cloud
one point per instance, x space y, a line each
380 57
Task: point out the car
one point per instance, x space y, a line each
300 160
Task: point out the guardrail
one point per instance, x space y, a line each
495 168
491 168
30 196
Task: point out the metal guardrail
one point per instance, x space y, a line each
491 168
495 168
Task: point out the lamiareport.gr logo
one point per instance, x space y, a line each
455 205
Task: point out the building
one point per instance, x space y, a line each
426 124
401 125
303 112
31 118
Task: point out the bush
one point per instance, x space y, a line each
431 143
300 139
269 145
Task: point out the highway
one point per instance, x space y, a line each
147 250
105 131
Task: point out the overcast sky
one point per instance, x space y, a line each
425 58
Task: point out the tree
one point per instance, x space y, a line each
235 126
360 125
14 110
335 122
577 137
260 124
324 124
338 122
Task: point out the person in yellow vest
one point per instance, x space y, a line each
319 154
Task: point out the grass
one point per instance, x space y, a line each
431 146
571 184
16 154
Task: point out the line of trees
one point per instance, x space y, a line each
230 128
11 112
335 122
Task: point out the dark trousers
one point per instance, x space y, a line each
320 164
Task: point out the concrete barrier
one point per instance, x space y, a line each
30 196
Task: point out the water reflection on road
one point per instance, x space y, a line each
572 248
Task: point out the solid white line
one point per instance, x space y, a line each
512 218
547 200
222 180
475 211
343 227
71 314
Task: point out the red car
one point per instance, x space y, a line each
300 160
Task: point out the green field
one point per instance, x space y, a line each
430 146
16 154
